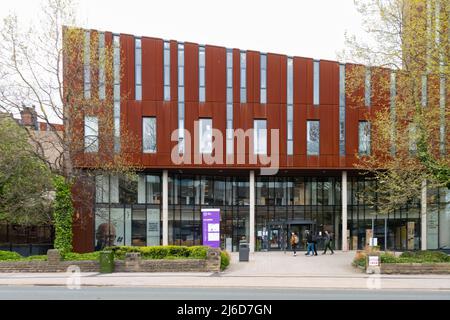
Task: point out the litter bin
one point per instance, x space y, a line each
244 251
106 262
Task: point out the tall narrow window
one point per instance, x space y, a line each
201 73
313 137
442 95
342 109
393 112
90 134
138 68
260 137
263 95
101 71
181 98
368 87
166 70
230 134
149 135
243 77
87 65
424 91
364 138
205 136
412 139
290 106
117 76
316 83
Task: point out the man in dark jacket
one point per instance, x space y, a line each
309 241
328 240
315 238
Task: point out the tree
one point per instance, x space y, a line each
25 181
407 55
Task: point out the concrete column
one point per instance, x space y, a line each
165 207
252 211
344 211
423 214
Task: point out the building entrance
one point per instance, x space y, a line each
278 234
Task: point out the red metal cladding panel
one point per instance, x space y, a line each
83 220
303 80
283 80
191 76
380 88
252 78
148 63
354 94
329 82
328 137
236 75
299 133
274 79
219 124
216 65
158 69
191 116
274 122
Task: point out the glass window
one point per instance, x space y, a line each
101 71
202 67
243 77
205 136
149 134
91 134
290 129
166 71
342 109
316 81
263 74
260 137
230 136
181 98
364 138
153 187
368 87
290 81
87 65
313 137
138 68
117 77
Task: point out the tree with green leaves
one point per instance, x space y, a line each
405 58
25 181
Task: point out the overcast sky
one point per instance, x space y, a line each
308 28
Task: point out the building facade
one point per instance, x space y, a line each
270 140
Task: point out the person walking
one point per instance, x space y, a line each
309 241
328 240
294 243
315 238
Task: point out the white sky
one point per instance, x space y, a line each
308 28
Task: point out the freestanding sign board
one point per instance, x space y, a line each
211 227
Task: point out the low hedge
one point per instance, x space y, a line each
405 257
14 256
72 256
162 252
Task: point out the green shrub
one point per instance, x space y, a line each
63 215
36 258
424 257
71 256
198 252
360 259
224 260
9 255
162 252
388 258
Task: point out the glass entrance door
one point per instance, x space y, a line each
277 237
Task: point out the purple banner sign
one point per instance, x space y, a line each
211 227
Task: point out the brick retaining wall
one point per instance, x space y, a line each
415 268
132 263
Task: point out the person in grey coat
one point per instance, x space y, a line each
328 239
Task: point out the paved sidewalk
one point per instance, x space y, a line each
265 270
